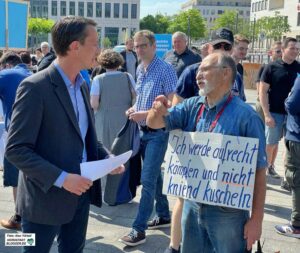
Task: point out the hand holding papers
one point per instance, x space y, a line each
98 169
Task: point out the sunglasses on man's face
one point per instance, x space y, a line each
226 46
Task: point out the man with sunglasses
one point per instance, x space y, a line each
221 41
276 83
210 228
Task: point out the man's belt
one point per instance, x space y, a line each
149 129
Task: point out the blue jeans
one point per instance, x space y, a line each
70 236
153 148
212 229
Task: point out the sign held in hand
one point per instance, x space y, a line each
211 168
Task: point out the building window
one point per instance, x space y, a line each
99 33
266 4
241 13
125 11
45 9
213 12
54 8
116 10
220 11
63 8
98 10
81 9
252 7
107 10
113 34
134 11
90 9
72 8
298 19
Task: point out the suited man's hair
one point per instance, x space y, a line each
10 58
67 30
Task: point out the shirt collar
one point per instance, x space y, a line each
150 66
219 105
78 81
184 52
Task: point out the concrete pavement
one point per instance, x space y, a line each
108 224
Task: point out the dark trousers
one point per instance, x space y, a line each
70 236
292 173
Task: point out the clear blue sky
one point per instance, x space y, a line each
153 7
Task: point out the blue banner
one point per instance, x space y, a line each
163 44
17 24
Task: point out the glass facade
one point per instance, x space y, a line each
63 8
81 9
72 8
54 8
113 34
116 10
90 9
39 9
125 11
134 11
107 10
98 10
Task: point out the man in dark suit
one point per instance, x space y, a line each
48 56
51 133
130 58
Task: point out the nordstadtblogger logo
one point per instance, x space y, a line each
30 241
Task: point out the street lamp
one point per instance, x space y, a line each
189 31
253 32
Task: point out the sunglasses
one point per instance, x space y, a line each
278 51
226 46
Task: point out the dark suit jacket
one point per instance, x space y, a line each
44 139
46 61
124 68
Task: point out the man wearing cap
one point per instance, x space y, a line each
211 228
180 56
222 41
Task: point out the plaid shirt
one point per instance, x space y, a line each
158 79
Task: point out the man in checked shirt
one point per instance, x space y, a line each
154 77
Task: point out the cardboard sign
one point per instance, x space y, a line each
211 168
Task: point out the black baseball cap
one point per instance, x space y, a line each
222 35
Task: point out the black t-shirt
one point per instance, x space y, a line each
281 77
240 69
260 73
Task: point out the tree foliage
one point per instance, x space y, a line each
157 24
234 22
272 27
190 22
39 25
106 42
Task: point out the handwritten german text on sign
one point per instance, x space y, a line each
211 168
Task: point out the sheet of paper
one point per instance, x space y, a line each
98 169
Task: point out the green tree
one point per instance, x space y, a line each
106 42
157 24
38 28
234 22
273 27
190 22
40 25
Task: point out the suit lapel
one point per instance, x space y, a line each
62 93
87 104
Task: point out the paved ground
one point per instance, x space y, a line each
107 224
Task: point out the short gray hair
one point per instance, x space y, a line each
45 43
225 60
179 35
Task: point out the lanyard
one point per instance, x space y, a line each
214 123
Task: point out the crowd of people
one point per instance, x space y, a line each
71 108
